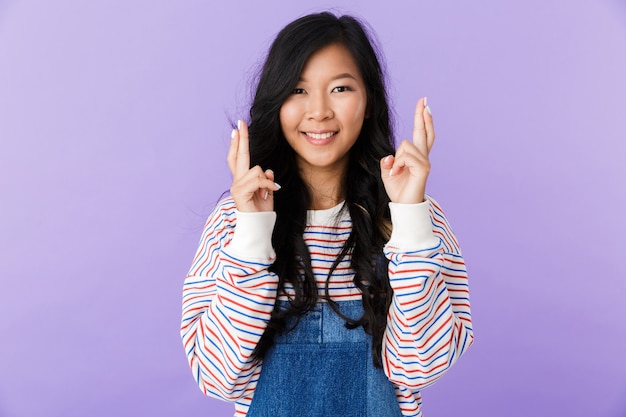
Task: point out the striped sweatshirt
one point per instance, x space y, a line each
229 294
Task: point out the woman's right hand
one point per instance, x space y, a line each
252 188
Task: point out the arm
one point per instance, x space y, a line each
228 297
429 323
229 292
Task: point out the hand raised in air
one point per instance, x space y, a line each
405 173
252 188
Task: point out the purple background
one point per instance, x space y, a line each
113 139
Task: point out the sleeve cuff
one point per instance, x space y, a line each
252 238
411 227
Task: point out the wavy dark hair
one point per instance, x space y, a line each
365 195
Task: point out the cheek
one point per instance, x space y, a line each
357 112
288 116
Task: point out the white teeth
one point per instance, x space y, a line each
320 135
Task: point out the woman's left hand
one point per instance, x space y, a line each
405 173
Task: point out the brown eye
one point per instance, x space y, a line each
298 91
341 89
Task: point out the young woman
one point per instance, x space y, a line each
342 291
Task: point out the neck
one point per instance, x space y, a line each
326 188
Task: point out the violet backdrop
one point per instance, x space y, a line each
114 127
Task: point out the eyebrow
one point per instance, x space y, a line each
344 75
337 77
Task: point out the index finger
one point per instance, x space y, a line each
243 151
242 156
419 128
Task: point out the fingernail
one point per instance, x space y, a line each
391 172
428 110
267 193
238 124
387 158
425 101
277 185
233 133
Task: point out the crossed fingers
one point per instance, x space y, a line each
252 187
405 173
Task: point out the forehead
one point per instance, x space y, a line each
330 61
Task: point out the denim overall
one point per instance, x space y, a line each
322 369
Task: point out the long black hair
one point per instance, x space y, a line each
365 195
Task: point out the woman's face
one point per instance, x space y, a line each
323 116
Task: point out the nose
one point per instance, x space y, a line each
319 107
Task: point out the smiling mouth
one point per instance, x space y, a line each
320 136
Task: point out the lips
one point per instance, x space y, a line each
319 138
